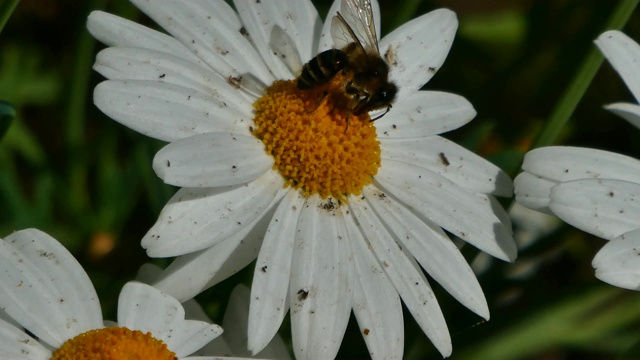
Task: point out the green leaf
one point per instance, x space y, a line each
7 114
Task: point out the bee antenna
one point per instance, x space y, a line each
383 114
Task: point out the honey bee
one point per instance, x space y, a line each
365 84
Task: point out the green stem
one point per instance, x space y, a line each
6 9
76 117
582 79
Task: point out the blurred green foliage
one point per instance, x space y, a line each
71 171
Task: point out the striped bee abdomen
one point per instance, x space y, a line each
322 68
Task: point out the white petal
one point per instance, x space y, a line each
629 112
457 210
417 49
236 317
197 218
211 30
190 274
235 329
167 112
529 225
618 263
298 18
433 249
408 281
451 161
45 289
284 48
624 55
4 316
117 63
303 24
116 31
145 308
532 191
425 113
564 163
605 208
327 42
16 344
270 286
376 303
212 160
320 290
498 210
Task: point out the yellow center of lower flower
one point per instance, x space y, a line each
114 343
318 145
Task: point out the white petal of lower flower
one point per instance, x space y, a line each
212 31
118 63
44 287
565 163
605 208
376 303
326 40
166 112
629 112
624 55
425 113
116 31
196 218
618 263
270 286
455 209
212 160
533 191
139 307
433 249
320 290
451 161
416 50
18 345
407 279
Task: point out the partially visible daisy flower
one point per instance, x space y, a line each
596 191
341 213
624 55
233 341
51 299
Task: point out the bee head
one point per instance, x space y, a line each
383 96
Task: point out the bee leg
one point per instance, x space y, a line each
320 101
383 114
346 123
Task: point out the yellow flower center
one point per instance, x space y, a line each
114 343
318 145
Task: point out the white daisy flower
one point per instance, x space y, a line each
341 213
233 341
596 191
47 293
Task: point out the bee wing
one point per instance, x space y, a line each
355 23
